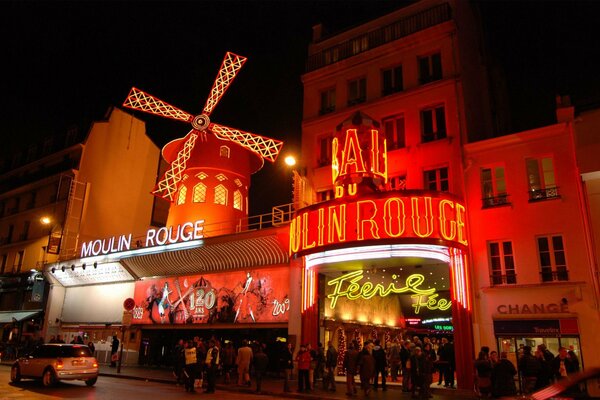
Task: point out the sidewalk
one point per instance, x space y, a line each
274 387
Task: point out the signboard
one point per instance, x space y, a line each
54 243
539 327
393 216
129 304
250 296
127 318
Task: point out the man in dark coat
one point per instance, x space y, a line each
503 377
330 364
261 361
366 368
380 365
351 367
114 348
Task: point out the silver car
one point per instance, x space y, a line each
54 362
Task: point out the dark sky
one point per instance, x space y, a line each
67 62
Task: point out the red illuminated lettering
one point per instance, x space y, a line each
364 215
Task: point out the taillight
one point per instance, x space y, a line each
59 363
95 363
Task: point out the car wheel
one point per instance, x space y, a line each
15 374
91 382
49 378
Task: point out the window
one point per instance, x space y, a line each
391 80
237 200
327 101
202 175
325 195
394 132
19 261
221 177
220 195
553 262
433 124
436 179
181 196
4 261
224 151
199 195
430 68
540 173
325 150
25 233
359 45
502 263
397 182
11 230
357 91
31 203
331 55
493 187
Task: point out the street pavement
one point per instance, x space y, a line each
274 386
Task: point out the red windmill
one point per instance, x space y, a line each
195 170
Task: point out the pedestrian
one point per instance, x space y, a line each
503 377
530 367
351 367
419 370
483 375
405 364
312 366
319 365
394 360
545 375
244 358
380 366
261 361
563 365
331 366
179 362
303 359
430 358
211 365
114 348
92 347
366 368
189 369
286 360
228 360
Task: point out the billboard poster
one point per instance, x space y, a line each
247 296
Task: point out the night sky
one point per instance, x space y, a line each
65 63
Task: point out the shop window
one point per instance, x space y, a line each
220 195
493 187
436 179
325 150
199 195
357 91
224 151
394 132
502 263
433 124
325 195
430 68
181 195
327 101
237 200
397 182
553 262
391 80
542 183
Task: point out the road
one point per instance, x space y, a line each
106 389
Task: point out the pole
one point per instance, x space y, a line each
121 351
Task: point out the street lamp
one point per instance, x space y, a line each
299 182
53 239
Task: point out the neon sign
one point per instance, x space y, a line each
348 286
185 232
388 216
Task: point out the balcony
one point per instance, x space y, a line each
326 110
548 275
543 194
497 279
358 100
386 34
495 201
391 90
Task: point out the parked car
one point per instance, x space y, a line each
582 385
54 362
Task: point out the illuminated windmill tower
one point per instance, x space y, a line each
209 174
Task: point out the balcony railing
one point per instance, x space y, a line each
544 194
386 34
548 275
326 110
506 279
495 201
358 100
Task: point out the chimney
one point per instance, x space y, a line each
565 112
317 32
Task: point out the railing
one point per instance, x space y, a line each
495 201
500 279
558 275
326 110
358 100
544 194
399 29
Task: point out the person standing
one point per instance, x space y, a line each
366 368
394 360
212 364
351 367
483 371
563 365
228 361
503 377
418 363
261 361
530 368
313 365
303 359
189 370
92 347
179 361
286 361
380 365
114 349
405 364
244 358
331 366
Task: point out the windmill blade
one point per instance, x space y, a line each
140 100
168 185
266 147
229 69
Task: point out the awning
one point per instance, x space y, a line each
17 316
